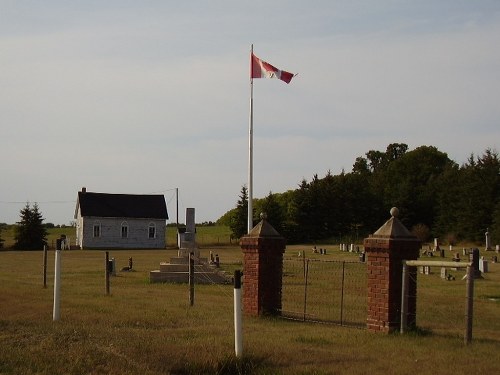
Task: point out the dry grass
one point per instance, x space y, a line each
144 328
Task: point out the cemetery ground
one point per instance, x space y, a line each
144 328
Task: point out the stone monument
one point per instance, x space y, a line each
487 240
177 270
187 238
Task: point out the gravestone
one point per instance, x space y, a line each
483 265
436 244
487 240
444 273
187 240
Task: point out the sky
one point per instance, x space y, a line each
145 97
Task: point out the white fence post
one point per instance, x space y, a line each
404 299
56 314
238 335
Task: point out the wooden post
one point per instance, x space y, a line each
469 305
305 288
304 263
191 279
342 294
106 272
45 266
404 299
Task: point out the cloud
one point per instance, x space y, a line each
129 97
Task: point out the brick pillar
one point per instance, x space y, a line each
385 250
263 250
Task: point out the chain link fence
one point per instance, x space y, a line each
325 291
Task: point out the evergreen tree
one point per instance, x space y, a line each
273 211
480 192
238 222
30 232
435 196
495 228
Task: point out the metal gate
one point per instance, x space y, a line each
325 291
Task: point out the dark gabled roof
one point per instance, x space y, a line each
122 205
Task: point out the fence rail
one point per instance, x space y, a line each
325 291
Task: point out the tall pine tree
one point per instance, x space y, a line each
239 217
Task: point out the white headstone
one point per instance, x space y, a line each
444 273
487 240
483 265
188 238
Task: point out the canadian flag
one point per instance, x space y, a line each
261 69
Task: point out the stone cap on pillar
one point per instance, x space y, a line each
393 228
394 239
264 229
263 237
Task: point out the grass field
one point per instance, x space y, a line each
144 328
206 235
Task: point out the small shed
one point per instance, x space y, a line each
120 221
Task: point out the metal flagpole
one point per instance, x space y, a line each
250 151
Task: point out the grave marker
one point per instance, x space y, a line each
487 240
444 273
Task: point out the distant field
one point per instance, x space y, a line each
205 235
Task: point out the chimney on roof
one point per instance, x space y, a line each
84 189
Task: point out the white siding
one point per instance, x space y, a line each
111 233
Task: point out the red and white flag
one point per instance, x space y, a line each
261 69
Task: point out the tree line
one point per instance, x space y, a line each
436 197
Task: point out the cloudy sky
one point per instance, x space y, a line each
148 96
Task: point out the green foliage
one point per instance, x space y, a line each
468 197
30 232
239 217
430 190
495 227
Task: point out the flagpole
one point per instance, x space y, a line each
250 151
